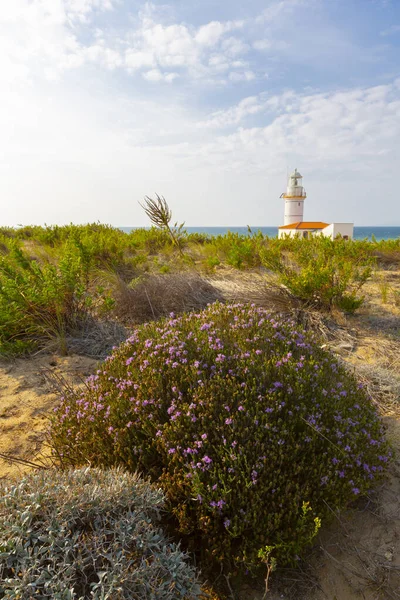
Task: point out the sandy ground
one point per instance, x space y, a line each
358 555
27 397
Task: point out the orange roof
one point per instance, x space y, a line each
305 225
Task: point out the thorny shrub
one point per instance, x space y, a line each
251 429
88 534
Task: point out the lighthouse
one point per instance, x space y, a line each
294 199
294 226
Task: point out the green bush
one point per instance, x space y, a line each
40 301
87 534
151 240
320 271
239 251
253 431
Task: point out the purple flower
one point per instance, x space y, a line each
228 421
171 451
355 491
204 436
227 523
240 408
207 460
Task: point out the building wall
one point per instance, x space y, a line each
332 231
296 232
335 229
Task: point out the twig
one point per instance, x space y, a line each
22 461
150 304
229 587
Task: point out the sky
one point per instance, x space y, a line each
209 103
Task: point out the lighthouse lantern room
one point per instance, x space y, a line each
294 199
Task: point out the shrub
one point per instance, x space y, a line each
321 271
239 251
251 429
87 534
38 302
151 240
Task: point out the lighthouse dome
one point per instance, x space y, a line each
296 174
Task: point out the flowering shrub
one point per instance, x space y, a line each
88 534
251 429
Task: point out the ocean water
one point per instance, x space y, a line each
360 233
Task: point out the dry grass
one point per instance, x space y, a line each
93 338
159 295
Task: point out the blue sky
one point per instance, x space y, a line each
207 103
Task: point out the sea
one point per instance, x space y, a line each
360 233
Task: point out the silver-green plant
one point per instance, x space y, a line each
88 533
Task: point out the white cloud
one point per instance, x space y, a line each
81 10
283 8
393 30
156 75
82 155
348 129
48 37
199 52
242 76
210 34
234 47
262 45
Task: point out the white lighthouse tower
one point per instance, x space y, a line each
294 199
294 207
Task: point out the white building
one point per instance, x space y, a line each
294 210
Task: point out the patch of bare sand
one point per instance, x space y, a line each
26 400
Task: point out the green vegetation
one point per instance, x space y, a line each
57 281
322 272
254 433
88 534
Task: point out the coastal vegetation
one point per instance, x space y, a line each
57 283
231 411
226 399
88 533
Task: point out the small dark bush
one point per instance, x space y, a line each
251 429
87 534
